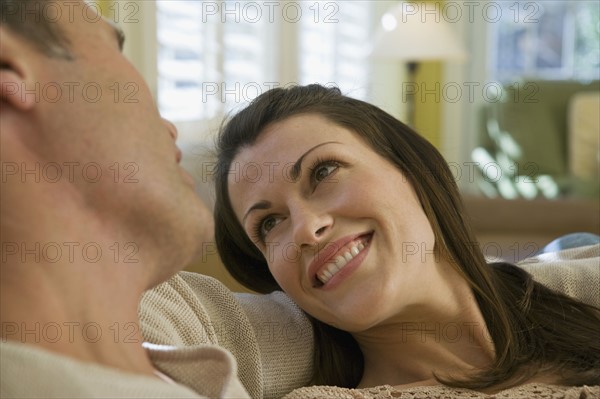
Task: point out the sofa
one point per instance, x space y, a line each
511 230
544 135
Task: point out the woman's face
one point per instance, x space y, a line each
341 228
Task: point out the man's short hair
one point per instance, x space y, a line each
28 18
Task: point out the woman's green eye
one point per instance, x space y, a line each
323 171
268 224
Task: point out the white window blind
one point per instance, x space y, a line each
333 45
245 57
206 67
215 56
185 59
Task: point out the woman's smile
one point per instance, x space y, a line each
332 269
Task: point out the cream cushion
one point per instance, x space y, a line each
584 135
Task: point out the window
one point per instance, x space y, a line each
535 40
215 56
184 59
334 52
546 40
203 62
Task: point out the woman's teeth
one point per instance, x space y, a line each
339 262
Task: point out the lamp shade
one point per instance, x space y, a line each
413 33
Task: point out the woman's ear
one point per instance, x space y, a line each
16 79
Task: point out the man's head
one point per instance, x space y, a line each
25 18
84 148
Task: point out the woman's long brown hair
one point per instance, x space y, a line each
532 327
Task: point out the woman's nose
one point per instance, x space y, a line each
311 227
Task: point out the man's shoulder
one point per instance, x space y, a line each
27 371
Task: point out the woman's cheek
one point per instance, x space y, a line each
284 278
279 267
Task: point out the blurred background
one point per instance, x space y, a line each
508 91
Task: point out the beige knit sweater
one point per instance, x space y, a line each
268 335
217 344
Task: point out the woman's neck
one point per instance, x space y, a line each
447 336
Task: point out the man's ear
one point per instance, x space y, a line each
15 75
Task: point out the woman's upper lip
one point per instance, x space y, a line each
328 253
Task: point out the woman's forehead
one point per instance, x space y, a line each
298 132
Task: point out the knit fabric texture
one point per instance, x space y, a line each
528 391
268 335
29 372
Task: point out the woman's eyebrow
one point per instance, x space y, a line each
295 171
258 205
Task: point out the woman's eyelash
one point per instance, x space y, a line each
319 162
258 234
257 230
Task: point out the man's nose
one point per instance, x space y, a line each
171 128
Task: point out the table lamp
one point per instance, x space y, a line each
415 32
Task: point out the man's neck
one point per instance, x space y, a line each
93 327
64 287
